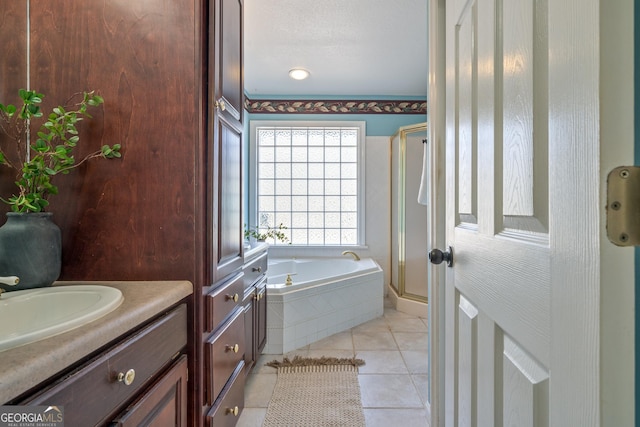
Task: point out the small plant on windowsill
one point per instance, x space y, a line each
261 234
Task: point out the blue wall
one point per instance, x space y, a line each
377 124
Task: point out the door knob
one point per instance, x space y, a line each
436 256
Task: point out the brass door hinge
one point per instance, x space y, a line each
623 206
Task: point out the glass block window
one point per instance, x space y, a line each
309 178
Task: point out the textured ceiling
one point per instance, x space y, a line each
351 47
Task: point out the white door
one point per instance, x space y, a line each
523 214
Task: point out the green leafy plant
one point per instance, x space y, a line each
38 156
266 232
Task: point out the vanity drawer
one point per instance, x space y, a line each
254 270
136 360
228 408
163 404
223 351
222 301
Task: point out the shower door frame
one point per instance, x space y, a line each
400 224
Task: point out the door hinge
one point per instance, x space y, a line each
623 206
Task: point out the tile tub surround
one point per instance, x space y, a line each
300 317
33 363
393 381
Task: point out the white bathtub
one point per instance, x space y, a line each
327 296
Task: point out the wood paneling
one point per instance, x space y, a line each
132 218
170 208
142 216
225 140
13 74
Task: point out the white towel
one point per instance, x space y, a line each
423 193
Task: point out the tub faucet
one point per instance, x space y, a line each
9 281
353 254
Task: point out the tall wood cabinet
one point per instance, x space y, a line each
225 97
225 329
170 72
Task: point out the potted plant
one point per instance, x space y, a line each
37 153
261 234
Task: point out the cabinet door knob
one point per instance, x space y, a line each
233 297
258 269
220 104
235 348
127 377
234 411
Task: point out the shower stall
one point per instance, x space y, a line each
409 278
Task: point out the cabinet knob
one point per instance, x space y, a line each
235 348
234 411
220 104
233 297
127 377
258 269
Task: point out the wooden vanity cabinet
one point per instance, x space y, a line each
255 268
260 336
226 410
255 319
224 358
255 307
222 301
224 350
164 404
171 207
141 377
248 310
224 328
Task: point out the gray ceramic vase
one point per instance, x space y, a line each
30 248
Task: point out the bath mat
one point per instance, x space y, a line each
321 392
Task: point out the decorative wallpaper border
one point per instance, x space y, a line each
281 106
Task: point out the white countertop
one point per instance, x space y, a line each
27 366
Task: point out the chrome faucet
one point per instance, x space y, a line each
353 254
9 281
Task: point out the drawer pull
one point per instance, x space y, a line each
258 269
233 297
235 348
233 411
128 377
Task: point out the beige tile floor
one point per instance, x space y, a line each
393 382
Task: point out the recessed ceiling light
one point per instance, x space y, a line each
298 73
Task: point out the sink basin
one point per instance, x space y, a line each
35 314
